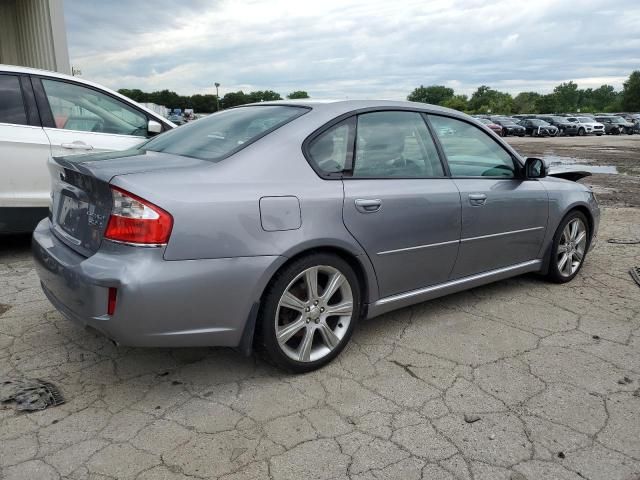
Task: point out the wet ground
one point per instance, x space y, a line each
614 161
518 380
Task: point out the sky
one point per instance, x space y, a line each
352 48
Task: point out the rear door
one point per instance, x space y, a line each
24 147
80 119
398 202
504 218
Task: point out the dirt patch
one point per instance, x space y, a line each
4 308
621 152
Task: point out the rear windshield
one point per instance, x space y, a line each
217 136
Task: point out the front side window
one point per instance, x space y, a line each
470 151
217 136
11 104
329 150
395 144
75 107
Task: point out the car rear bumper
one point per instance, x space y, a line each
159 303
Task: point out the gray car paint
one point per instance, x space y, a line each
202 288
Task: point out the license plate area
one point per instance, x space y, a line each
72 216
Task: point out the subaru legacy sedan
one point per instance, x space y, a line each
282 224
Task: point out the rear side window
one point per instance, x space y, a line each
329 150
470 151
11 104
395 144
217 136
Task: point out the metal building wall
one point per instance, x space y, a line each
32 34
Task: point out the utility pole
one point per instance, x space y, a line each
217 96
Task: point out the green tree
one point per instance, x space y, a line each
298 94
435 94
567 97
457 102
631 93
135 94
264 96
547 104
485 98
233 99
525 102
203 103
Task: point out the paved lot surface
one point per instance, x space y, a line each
552 372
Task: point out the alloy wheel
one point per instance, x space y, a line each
572 247
314 314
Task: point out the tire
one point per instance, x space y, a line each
581 132
314 337
560 270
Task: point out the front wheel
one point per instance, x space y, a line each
581 132
569 248
309 312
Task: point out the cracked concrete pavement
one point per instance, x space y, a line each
542 365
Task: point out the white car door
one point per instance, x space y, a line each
87 120
24 149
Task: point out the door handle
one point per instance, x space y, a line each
77 146
368 206
477 199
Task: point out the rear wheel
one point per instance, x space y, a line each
569 248
309 312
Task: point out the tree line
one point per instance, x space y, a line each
205 103
566 97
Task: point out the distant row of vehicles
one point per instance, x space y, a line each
564 124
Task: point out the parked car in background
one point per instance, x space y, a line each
277 223
509 126
45 113
493 126
538 128
564 127
587 125
615 125
176 119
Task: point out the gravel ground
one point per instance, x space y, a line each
621 152
549 373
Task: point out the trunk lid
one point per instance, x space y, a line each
81 195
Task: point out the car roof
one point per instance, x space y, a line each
345 106
62 76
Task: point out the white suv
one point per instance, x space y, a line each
587 125
45 113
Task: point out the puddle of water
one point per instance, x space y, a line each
557 163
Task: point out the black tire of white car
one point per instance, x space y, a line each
269 310
553 273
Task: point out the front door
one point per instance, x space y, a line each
399 204
504 218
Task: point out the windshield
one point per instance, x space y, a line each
538 123
222 134
586 119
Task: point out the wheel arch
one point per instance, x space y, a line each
359 262
584 209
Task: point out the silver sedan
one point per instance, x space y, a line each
285 223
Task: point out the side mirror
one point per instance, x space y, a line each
535 168
154 127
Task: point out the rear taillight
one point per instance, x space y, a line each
135 221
